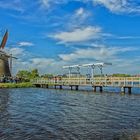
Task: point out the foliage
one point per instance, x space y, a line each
34 73
16 85
120 75
26 76
49 76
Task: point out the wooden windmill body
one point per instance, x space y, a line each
4 58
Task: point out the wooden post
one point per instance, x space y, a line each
47 86
129 90
60 86
71 87
122 90
76 87
38 85
101 89
94 88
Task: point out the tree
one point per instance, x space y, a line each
23 75
26 76
34 73
120 75
49 76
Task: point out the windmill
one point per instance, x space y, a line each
5 59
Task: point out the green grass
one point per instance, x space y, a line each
16 85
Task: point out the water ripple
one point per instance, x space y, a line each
41 114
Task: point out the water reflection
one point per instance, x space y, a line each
36 114
4 98
4 114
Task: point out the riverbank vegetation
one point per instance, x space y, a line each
22 79
26 76
16 85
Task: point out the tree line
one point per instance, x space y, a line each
26 75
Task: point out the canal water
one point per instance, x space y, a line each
47 114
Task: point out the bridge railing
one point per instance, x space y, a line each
96 81
118 81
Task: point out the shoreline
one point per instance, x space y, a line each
16 85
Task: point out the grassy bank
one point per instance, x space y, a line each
16 85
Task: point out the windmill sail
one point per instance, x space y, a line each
4 40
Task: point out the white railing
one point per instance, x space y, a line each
97 81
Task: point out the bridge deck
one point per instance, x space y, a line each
97 81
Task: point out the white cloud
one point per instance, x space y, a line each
105 54
119 6
24 44
14 5
88 55
80 16
78 35
99 53
45 3
80 11
49 3
16 52
127 37
41 62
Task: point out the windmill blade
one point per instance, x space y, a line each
7 55
4 40
14 57
11 56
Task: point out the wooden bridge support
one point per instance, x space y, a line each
94 88
71 87
60 87
123 90
47 86
38 85
76 87
42 86
129 90
100 88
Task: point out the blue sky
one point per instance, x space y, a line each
48 34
